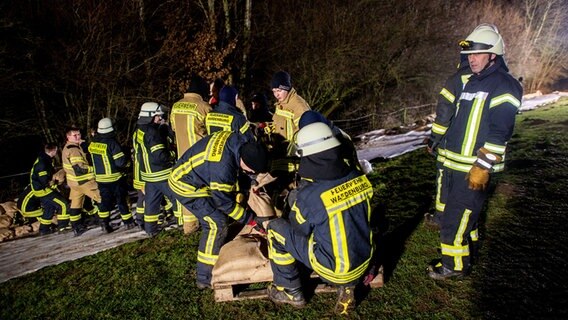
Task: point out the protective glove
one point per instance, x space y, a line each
478 178
431 146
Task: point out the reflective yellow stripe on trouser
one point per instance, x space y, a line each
206 256
457 250
282 259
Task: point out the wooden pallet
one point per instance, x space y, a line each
240 290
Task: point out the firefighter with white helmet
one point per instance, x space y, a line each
154 163
472 146
328 228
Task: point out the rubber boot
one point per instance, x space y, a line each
105 226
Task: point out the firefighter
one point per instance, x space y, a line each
205 180
328 229
227 117
155 164
44 187
109 162
348 148
79 175
445 111
289 108
188 123
473 147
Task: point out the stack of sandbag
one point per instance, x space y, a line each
245 258
8 230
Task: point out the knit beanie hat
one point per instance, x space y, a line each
310 117
281 80
198 85
255 156
228 95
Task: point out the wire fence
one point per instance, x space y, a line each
374 121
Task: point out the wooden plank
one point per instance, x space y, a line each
226 291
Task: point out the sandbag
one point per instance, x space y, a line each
243 260
263 179
10 207
261 204
5 234
2 211
59 177
5 221
23 230
35 226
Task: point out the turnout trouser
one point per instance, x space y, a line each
114 193
153 196
213 233
52 203
458 233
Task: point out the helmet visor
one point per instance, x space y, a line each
468 45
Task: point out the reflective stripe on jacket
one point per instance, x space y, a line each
108 158
210 169
75 164
485 117
154 160
336 215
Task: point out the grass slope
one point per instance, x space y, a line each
521 273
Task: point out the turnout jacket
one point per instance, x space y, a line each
446 107
226 117
154 161
335 216
108 158
287 115
210 169
188 120
485 117
41 174
75 164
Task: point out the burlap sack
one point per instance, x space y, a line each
5 221
59 176
22 231
6 234
263 179
35 226
261 204
10 207
2 211
243 260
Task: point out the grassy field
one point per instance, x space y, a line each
521 273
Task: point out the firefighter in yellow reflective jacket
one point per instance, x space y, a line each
188 123
473 147
45 189
155 163
204 180
79 174
226 116
328 229
109 162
